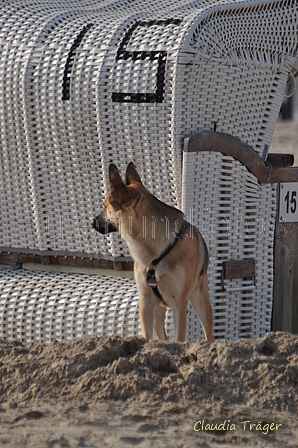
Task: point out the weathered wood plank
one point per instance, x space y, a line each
239 268
7 258
285 295
281 160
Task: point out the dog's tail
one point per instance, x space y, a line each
204 250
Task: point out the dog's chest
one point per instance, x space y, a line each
140 254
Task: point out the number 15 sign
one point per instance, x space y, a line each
288 202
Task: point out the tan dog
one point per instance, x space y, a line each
170 256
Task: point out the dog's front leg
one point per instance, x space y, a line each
146 302
146 317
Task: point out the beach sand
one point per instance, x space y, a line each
114 392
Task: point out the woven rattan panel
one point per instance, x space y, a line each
236 217
86 83
43 306
40 306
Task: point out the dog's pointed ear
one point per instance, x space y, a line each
118 189
131 175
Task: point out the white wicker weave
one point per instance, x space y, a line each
85 83
38 306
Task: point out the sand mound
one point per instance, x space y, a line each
259 372
228 380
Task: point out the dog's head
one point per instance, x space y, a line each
117 201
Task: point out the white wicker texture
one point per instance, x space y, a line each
59 69
86 83
236 217
38 306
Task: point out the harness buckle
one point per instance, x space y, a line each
151 280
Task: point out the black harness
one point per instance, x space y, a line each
151 280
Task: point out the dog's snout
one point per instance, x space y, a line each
95 224
102 226
98 224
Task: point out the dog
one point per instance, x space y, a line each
170 256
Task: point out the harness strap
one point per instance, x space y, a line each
169 247
151 280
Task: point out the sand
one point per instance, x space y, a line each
106 392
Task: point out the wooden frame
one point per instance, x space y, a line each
18 258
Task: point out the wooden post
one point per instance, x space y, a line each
285 293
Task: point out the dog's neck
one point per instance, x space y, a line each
149 234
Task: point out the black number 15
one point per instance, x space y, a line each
291 200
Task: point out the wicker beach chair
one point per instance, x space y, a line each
86 83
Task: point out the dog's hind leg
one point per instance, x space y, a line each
159 323
200 300
179 315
